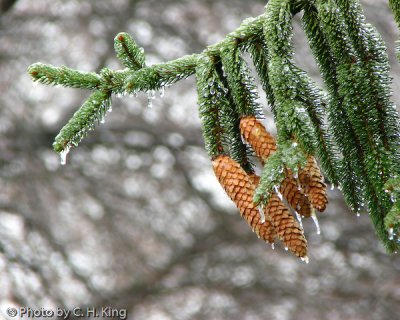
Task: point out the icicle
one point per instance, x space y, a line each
298 216
391 233
109 108
286 248
278 193
262 215
273 246
63 155
103 120
298 182
315 219
243 140
162 92
150 98
332 187
305 259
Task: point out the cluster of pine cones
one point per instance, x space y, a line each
303 193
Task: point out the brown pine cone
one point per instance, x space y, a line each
294 196
255 134
312 182
239 188
263 144
288 229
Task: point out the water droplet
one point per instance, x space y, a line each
103 120
391 233
262 215
315 219
109 108
332 187
63 155
273 246
286 248
358 214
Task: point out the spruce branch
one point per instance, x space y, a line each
376 85
395 6
340 27
128 52
291 118
288 157
230 119
242 87
342 130
259 53
392 220
353 129
48 74
315 102
210 98
91 112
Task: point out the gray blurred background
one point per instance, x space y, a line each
136 219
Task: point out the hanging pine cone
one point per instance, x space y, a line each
262 142
294 196
288 229
239 188
312 182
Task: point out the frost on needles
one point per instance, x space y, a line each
351 126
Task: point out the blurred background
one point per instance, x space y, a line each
136 219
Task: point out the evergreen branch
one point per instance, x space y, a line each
93 110
288 157
395 6
128 52
362 115
351 181
355 91
259 53
211 95
291 118
48 74
374 70
314 101
242 87
392 219
378 70
278 28
352 59
161 75
230 120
